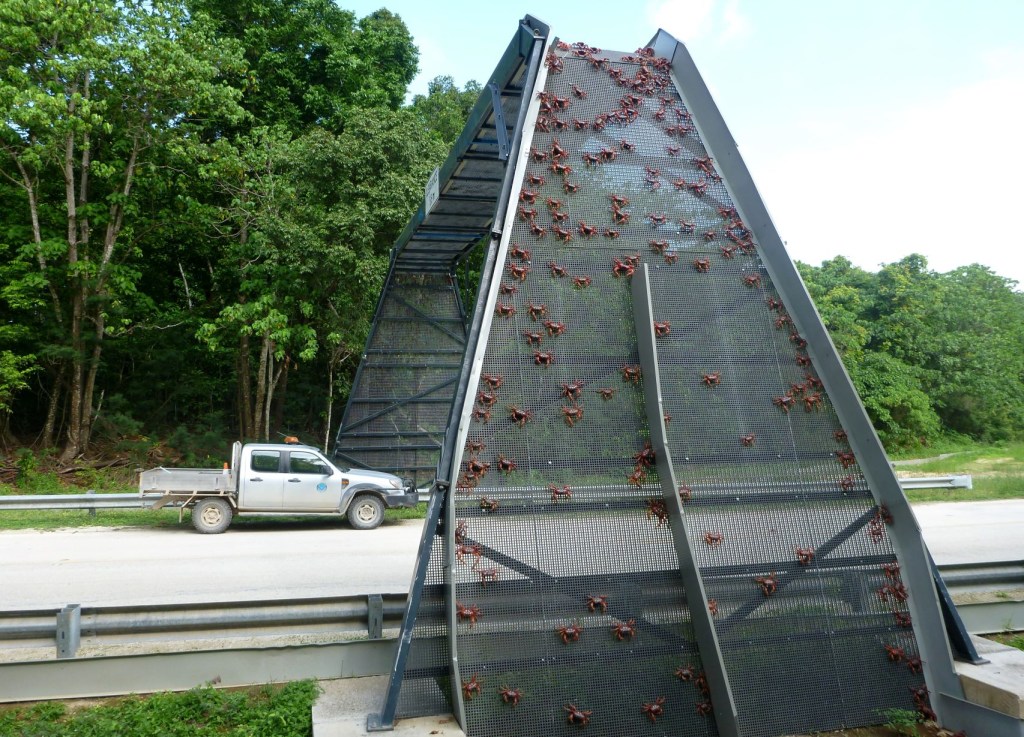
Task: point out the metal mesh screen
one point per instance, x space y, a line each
567 584
398 408
426 688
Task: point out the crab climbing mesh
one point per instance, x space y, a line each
569 598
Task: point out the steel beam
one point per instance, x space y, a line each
704 629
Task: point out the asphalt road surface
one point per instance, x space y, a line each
110 567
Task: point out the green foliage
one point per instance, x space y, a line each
902 721
931 354
270 711
444 109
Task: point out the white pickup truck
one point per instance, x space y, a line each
281 479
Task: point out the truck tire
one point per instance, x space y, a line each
211 516
366 512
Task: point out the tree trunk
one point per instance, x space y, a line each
50 427
245 388
261 389
330 403
280 395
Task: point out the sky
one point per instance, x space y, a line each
873 129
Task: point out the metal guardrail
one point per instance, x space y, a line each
92 501
369 614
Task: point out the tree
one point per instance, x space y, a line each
445 108
308 62
91 91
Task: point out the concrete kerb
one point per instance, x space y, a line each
341 709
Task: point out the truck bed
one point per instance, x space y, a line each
186 481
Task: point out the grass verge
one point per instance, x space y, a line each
266 711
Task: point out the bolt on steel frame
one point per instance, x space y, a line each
659 498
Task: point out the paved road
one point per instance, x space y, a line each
108 567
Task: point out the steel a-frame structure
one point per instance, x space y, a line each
658 499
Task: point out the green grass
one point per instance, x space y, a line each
997 472
268 711
166 518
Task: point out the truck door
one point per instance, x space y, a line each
311 484
262 481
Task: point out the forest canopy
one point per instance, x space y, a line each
197 202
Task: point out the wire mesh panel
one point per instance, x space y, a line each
426 688
398 409
570 604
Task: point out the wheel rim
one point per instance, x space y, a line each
366 512
211 515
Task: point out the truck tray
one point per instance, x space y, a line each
186 480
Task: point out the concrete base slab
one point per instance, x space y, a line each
998 684
341 711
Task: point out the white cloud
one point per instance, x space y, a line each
736 25
687 20
694 20
941 178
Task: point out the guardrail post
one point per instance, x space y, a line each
69 631
375 616
92 510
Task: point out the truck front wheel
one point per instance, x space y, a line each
366 512
211 516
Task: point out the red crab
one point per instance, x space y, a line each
464 549
713 607
646 457
573 390
769 584
785 403
624 630
703 708
621 268
846 459
554 328
598 601
654 709
581 282
506 465
487 574
703 265
804 556
510 696
570 633
606 393
712 379
471 688
557 271
813 402
504 310
572 415
467 612
577 716
492 380
533 338
713 539
631 374
563 235
685 493
685 673
752 280
488 504
518 272
543 359
658 509
559 493
748 440
536 311
661 329
519 416
894 653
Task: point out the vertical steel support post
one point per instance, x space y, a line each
374 616
905 532
490 277
703 628
384 721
